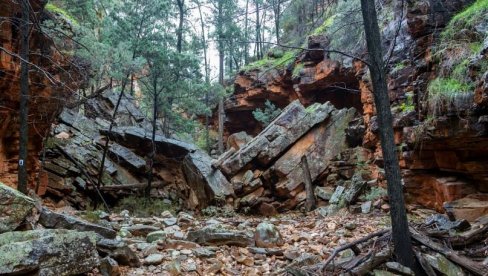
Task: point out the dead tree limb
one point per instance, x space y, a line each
349 245
472 266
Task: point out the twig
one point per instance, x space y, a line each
349 245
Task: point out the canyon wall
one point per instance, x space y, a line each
50 85
442 159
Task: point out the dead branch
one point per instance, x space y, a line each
474 267
349 245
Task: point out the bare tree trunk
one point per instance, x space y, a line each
246 35
181 13
147 191
221 78
310 203
207 79
105 146
24 98
258 32
400 233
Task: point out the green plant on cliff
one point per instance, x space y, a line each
459 44
57 10
277 61
268 114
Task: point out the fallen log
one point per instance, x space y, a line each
476 233
473 267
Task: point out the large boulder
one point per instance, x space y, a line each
51 219
320 145
14 208
286 129
220 235
207 184
48 252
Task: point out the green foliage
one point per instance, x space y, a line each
467 19
268 114
297 70
443 92
57 10
408 105
142 207
325 26
454 53
375 193
286 59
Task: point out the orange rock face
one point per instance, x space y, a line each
46 99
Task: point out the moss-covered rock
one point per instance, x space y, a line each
48 252
14 208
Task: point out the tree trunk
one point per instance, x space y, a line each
207 80
246 35
221 77
147 191
258 32
400 233
24 99
310 203
181 6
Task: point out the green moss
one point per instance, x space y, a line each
285 60
297 70
408 105
466 19
57 10
375 193
448 87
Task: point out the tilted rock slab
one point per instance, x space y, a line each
48 252
320 145
14 208
51 219
285 130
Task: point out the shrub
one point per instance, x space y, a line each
268 114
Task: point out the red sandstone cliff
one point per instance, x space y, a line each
47 94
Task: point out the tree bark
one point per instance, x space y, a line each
181 13
400 234
24 98
147 191
246 35
221 77
310 203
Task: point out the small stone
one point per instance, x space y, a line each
151 249
385 207
350 226
186 252
156 235
355 209
366 207
185 219
267 235
212 222
245 260
153 259
214 268
169 221
166 214
174 268
109 267
396 267
141 246
204 252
